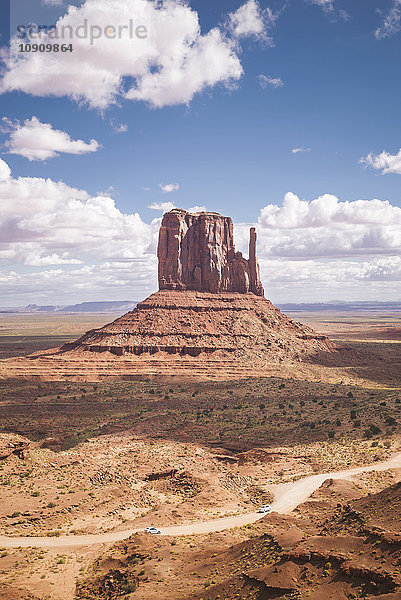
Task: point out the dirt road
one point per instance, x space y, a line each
288 497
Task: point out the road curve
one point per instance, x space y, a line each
288 496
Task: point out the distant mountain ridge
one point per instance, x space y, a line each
123 306
338 305
83 307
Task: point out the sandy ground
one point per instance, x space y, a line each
288 497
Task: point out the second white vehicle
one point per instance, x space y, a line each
153 530
265 508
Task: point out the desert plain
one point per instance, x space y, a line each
196 457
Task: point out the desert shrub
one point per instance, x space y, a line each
371 431
73 440
129 587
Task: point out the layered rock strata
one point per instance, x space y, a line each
193 323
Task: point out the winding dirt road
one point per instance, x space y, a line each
288 496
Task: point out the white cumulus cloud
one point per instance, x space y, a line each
326 227
321 281
384 162
5 171
326 249
251 20
167 65
47 222
197 209
163 206
169 187
39 141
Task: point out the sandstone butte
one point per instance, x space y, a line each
209 319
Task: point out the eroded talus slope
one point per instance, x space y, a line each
192 323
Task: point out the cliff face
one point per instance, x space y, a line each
197 252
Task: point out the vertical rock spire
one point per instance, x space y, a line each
255 285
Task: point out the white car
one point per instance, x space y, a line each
265 508
153 530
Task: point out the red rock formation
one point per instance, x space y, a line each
209 319
191 323
197 252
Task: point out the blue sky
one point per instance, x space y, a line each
318 77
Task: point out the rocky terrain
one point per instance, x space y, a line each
344 540
331 547
110 455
